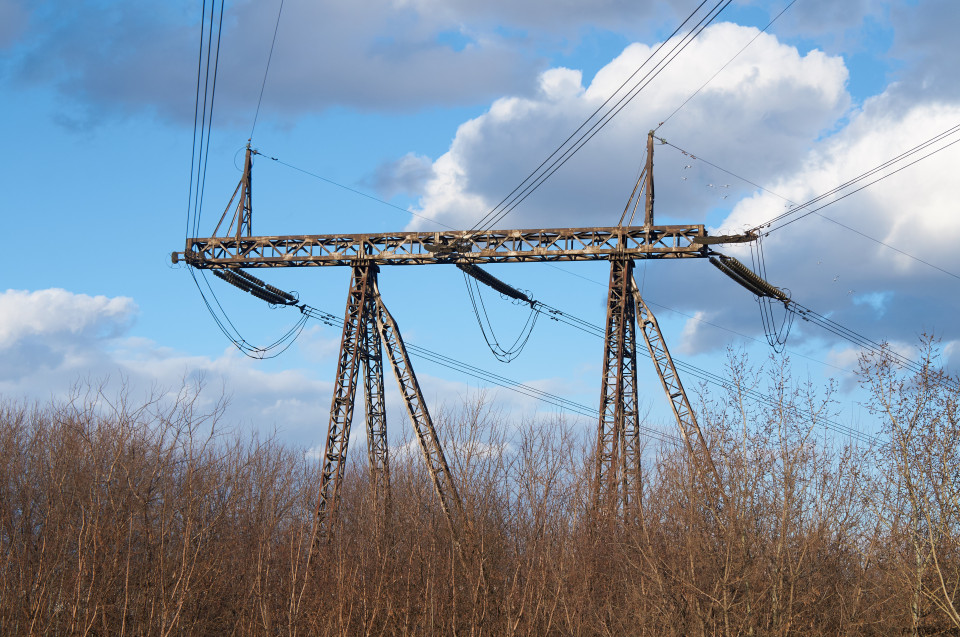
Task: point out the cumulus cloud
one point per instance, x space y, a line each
52 339
776 116
109 57
49 329
771 102
862 281
53 313
407 175
926 40
123 57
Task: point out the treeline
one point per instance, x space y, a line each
122 519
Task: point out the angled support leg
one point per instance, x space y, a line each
618 442
419 416
690 430
344 394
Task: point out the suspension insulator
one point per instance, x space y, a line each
233 280
266 286
281 293
488 279
263 295
747 274
249 277
736 277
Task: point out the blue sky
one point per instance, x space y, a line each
441 108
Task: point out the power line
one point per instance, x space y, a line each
196 113
729 62
493 378
266 70
703 375
887 245
597 331
353 190
536 178
796 208
208 60
887 164
720 168
706 322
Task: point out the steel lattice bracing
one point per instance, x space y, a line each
618 436
419 416
686 420
367 328
420 248
376 412
344 395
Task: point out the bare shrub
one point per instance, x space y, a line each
149 518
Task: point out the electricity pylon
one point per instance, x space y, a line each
369 328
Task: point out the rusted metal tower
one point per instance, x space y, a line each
369 328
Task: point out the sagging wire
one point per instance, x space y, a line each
309 312
208 58
502 354
709 377
776 336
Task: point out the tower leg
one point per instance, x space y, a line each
419 416
376 414
344 394
618 437
690 430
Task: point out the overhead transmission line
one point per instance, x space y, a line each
728 63
208 59
263 84
493 378
278 298
863 176
207 66
797 207
349 189
600 117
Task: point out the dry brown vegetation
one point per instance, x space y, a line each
144 519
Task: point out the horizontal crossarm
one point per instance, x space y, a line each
418 248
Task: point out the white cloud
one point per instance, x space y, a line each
52 339
775 116
831 268
112 56
54 313
407 175
122 57
692 334
764 109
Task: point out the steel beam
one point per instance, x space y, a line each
419 248
690 431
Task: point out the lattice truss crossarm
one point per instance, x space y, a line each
419 248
